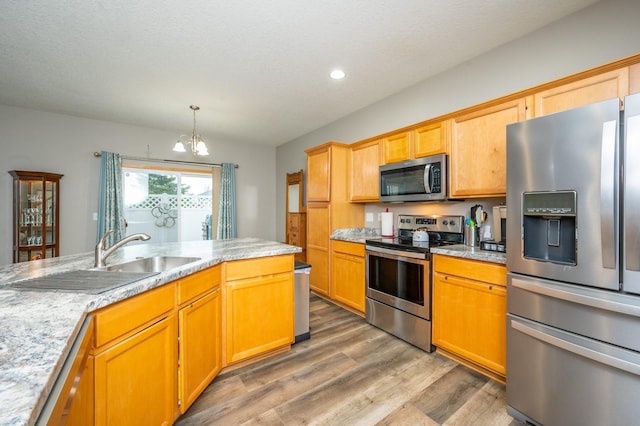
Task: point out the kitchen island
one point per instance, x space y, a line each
39 328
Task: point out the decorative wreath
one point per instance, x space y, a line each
165 217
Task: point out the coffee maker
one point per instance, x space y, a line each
499 242
500 223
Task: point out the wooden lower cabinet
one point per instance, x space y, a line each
348 274
154 354
200 346
258 306
82 408
469 312
135 380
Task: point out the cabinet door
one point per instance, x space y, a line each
318 247
613 84
431 139
365 172
259 315
397 148
469 320
200 346
136 378
634 78
479 150
348 274
82 407
297 229
318 175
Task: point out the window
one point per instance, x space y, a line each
169 204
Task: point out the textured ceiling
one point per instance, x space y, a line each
258 69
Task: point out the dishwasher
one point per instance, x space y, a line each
301 301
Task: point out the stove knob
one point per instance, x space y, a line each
452 222
445 223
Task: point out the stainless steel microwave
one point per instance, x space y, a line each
423 179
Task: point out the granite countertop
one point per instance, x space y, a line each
38 328
474 253
355 235
360 235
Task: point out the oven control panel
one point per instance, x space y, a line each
431 223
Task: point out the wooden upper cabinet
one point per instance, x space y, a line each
634 78
364 172
478 161
612 84
327 166
431 139
423 141
319 174
397 147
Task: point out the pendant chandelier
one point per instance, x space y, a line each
198 147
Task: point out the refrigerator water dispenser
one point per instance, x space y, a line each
549 226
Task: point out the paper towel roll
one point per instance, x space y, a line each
386 224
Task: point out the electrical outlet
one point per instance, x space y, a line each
95 216
368 217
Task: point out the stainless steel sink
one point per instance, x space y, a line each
91 281
99 280
151 264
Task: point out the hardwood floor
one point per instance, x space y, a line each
350 373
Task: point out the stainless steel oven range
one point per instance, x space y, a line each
398 274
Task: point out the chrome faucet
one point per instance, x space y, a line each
102 254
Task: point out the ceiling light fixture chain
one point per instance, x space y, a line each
198 147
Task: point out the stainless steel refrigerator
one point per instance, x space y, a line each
573 260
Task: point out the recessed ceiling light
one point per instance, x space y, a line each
337 74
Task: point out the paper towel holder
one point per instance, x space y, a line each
386 224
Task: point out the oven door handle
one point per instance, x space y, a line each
406 256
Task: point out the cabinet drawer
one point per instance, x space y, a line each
492 273
116 320
294 221
346 247
240 269
196 284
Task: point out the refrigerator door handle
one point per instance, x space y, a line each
607 194
602 358
632 194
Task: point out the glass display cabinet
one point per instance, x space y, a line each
36 212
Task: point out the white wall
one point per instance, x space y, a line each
599 34
41 141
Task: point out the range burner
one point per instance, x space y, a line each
442 231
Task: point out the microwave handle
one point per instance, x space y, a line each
427 178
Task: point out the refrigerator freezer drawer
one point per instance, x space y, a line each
560 378
604 315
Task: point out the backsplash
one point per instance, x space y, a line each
462 208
